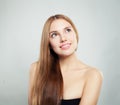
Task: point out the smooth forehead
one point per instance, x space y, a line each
59 24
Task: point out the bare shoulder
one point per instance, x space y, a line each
92 87
94 74
33 68
32 72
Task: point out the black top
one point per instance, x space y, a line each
75 101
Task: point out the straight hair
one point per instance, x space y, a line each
48 82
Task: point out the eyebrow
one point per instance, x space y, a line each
63 28
52 32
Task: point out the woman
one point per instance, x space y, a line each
59 77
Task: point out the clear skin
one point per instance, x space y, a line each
80 80
62 38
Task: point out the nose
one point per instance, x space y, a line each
63 38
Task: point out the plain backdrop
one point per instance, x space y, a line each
21 22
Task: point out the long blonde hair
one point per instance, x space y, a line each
48 84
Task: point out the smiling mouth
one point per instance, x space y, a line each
65 46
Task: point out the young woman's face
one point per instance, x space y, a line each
62 38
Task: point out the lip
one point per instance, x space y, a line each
65 46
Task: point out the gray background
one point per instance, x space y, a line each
21 22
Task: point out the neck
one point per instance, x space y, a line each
69 62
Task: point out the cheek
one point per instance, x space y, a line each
72 37
53 44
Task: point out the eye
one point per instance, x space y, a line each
68 30
53 35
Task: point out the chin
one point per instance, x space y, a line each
66 54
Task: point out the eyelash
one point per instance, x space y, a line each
68 30
53 35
